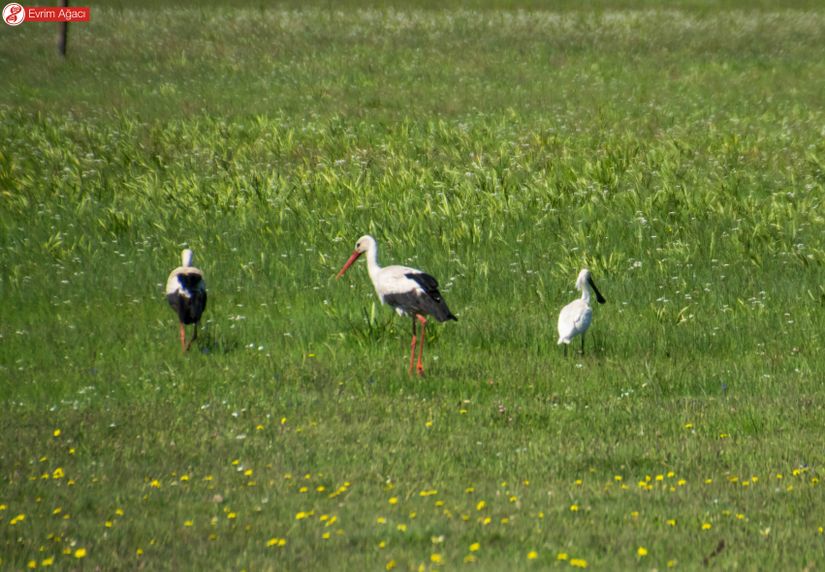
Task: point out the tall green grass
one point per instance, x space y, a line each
677 151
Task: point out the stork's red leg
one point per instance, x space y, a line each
194 337
182 338
420 365
412 347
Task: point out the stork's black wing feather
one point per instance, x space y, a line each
432 302
427 282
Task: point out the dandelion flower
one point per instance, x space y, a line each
641 551
562 556
532 555
475 546
80 553
390 565
706 526
481 505
578 563
436 558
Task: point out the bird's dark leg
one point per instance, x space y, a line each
412 346
565 350
182 338
420 366
582 343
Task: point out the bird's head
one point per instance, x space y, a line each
362 245
186 257
584 280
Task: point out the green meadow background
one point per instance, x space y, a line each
677 149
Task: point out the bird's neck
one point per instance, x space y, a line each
586 294
372 263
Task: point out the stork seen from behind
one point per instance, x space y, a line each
186 293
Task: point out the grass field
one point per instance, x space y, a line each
677 149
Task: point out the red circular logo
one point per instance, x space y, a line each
14 14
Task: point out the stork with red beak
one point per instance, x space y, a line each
409 291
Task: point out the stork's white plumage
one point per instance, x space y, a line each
186 293
409 291
575 318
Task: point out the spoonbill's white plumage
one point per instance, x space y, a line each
409 291
186 293
575 318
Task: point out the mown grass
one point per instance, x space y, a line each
675 150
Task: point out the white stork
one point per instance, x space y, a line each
409 291
186 293
575 318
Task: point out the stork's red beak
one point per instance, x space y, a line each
352 259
